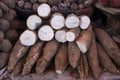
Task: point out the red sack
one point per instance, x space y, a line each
115 3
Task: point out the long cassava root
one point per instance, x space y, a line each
73 54
106 61
32 57
17 53
93 58
49 51
108 44
61 59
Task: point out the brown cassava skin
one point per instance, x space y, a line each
80 68
73 54
93 58
61 58
108 44
17 53
34 53
41 65
106 61
18 68
49 51
86 67
85 37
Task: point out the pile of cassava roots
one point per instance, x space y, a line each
52 38
68 40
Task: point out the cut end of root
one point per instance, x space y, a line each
58 71
33 22
57 21
85 22
70 36
72 21
28 38
60 36
82 47
44 10
46 33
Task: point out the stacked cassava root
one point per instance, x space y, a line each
71 40
8 34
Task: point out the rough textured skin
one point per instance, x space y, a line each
50 49
106 61
73 54
18 68
86 66
93 58
32 57
108 44
41 65
80 68
17 53
61 58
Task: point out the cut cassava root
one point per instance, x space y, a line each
45 33
72 34
33 22
84 40
44 10
28 38
60 35
84 22
57 21
72 21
